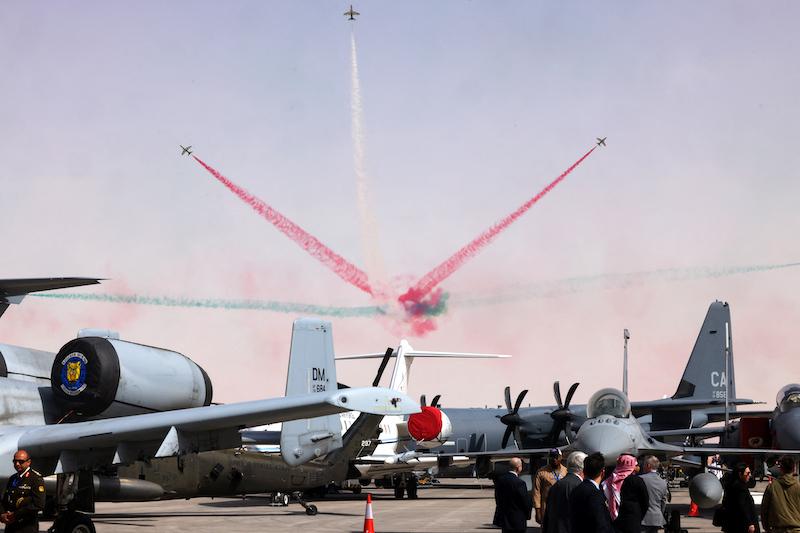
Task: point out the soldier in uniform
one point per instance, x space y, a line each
23 497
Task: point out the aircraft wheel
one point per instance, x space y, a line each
311 510
411 487
357 489
78 523
398 491
284 500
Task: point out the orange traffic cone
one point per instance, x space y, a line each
369 522
693 510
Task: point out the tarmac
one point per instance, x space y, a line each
451 506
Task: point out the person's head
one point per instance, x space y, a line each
594 466
516 464
575 463
742 472
626 462
787 464
555 457
21 461
651 464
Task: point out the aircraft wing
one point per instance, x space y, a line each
646 407
717 450
12 291
68 447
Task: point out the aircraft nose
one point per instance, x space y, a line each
787 429
604 436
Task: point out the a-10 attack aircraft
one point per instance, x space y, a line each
102 402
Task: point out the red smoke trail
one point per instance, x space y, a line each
339 265
415 294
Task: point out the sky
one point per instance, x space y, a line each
467 109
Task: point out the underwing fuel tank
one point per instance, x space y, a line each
95 376
116 489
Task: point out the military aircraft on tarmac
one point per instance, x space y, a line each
351 14
187 150
698 400
96 384
601 142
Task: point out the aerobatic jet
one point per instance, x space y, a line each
351 13
187 150
601 142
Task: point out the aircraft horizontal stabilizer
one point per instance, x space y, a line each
414 353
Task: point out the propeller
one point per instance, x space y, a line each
512 420
434 402
562 416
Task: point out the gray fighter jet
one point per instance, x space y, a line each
698 400
186 150
97 381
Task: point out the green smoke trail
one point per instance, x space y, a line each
211 303
549 289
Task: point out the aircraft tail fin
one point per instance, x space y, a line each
312 369
12 291
705 373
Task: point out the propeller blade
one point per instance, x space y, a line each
519 400
518 437
422 401
506 435
508 399
435 401
557 394
570 392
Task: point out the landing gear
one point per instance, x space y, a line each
310 508
280 498
405 483
74 498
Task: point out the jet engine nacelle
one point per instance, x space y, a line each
705 490
430 428
98 376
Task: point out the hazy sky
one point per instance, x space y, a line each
469 109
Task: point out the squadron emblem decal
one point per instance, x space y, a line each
73 373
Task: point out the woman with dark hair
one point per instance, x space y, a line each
740 510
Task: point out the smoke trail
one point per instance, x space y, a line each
369 226
210 303
339 265
550 289
448 267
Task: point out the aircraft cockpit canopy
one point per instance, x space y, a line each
788 397
609 401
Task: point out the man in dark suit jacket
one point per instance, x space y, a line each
557 514
514 505
588 508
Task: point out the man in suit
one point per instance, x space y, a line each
657 492
556 516
514 506
587 504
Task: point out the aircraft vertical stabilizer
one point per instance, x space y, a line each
705 373
311 370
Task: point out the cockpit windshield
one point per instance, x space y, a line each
788 397
609 401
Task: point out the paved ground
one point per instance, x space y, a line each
464 505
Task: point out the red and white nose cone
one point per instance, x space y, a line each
425 425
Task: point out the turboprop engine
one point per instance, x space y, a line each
103 376
430 428
705 490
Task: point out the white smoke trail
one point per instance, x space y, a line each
369 225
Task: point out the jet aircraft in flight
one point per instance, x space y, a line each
187 150
601 142
351 14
